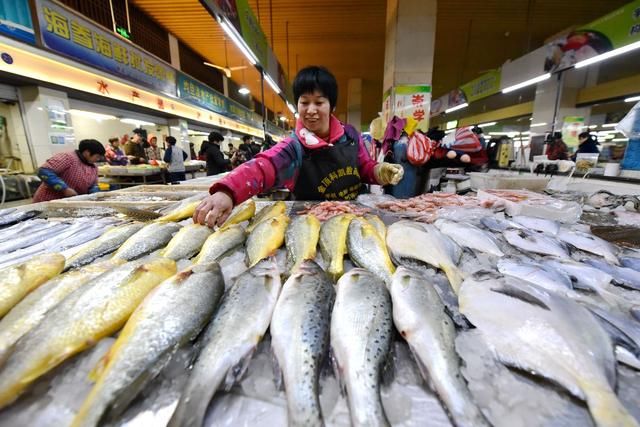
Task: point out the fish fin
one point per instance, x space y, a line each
277 373
521 294
100 367
388 371
337 373
455 276
236 373
635 313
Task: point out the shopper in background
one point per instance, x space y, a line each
322 160
268 142
407 186
174 157
246 148
557 149
587 144
71 173
134 148
152 152
192 151
216 163
114 154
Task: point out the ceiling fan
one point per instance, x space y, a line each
226 70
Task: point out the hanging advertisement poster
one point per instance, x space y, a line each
67 33
614 30
413 101
571 128
486 85
15 20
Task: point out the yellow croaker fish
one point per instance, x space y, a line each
187 242
377 224
87 315
273 210
367 249
18 280
242 212
265 239
220 243
301 239
32 309
333 243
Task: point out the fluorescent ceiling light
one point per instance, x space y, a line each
283 119
633 99
273 84
244 91
91 115
233 35
527 83
296 115
620 139
525 133
486 125
137 122
610 54
535 125
451 125
456 108
291 108
610 125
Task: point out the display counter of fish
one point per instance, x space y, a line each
523 283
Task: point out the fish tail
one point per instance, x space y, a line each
607 410
455 277
193 404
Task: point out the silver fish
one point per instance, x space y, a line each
589 243
499 225
631 262
187 242
532 272
169 316
361 328
424 242
300 339
367 249
105 244
537 224
151 237
535 330
623 276
20 242
623 330
237 327
470 236
530 241
420 317
22 228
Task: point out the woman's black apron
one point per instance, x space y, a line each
329 173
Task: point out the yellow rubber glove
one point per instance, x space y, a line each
388 173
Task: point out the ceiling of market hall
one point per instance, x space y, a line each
472 37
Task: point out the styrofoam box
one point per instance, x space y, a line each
533 204
486 181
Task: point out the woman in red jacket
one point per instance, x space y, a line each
322 160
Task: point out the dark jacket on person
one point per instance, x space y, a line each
589 146
216 163
557 150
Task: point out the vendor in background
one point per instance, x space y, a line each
247 147
587 144
556 148
323 159
134 148
71 173
192 151
152 152
174 157
216 163
268 142
114 154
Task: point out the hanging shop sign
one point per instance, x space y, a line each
486 85
616 29
197 93
67 33
571 128
412 101
252 32
15 20
29 62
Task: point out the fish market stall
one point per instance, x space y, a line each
142 174
501 307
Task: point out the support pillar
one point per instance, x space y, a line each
408 60
354 103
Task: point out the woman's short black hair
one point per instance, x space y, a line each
171 140
114 140
216 137
313 78
246 138
92 146
584 135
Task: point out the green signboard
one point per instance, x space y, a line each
486 85
252 32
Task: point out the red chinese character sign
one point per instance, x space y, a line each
408 101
